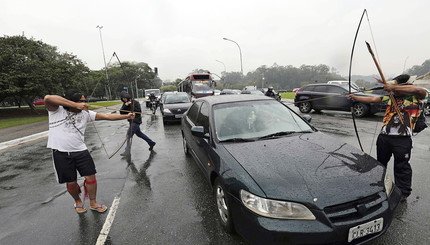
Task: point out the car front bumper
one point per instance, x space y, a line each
262 230
170 117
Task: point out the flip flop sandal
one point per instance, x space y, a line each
99 209
80 212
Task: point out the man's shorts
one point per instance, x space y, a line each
67 163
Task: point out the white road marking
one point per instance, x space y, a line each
108 223
22 140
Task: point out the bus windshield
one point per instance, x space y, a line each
201 85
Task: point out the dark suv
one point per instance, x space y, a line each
332 97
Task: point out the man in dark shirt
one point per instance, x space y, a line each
135 123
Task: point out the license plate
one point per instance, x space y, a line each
368 228
178 116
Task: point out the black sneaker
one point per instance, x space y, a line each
152 146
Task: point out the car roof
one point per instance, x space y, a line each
174 92
212 100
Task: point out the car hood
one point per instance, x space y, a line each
182 106
309 168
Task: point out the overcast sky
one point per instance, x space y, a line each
179 36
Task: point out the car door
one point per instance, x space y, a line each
337 99
189 121
204 147
319 97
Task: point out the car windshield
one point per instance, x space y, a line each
176 98
256 120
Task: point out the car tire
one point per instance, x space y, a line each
305 107
426 109
360 110
185 146
223 207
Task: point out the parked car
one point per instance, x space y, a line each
91 99
173 105
255 92
217 92
38 102
276 179
230 91
345 83
332 97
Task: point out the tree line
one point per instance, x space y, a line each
30 69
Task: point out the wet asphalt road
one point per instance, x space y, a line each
164 199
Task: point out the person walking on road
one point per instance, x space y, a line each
68 118
134 128
395 137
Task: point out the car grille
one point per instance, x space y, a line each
178 111
355 210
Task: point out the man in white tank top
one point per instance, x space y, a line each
68 118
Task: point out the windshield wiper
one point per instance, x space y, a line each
237 140
277 134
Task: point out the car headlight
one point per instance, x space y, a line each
166 110
275 209
388 183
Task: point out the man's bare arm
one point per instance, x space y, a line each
104 116
53 101
403 90
364 99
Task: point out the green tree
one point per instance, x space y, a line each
134 73
31 68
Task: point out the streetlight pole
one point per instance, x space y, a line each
240 52
222 64
104 59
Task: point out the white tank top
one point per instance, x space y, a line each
67 129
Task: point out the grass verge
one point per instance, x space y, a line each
21 116
17 121
288 95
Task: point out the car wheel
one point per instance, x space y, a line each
360 110
426 109
305 107
185 145
224 211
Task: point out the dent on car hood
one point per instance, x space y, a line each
309 168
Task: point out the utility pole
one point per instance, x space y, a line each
104 59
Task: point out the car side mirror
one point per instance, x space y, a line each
199 131
308 118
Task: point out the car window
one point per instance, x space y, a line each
335 90
308 88
192 112
176 98
320 89
203 117
254 119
